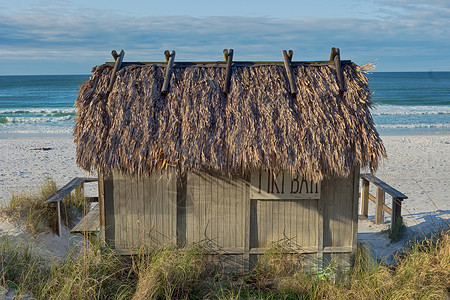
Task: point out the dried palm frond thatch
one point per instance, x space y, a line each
258 125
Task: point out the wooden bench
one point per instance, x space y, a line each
382 187
64 191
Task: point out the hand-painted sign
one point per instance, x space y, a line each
282 185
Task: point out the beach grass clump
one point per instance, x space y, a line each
424 270
172 273
21 268
273 265
38 216
91 274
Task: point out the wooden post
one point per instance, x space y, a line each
336 56
355 213
117 66
82 189
247 225
333 53
169 67
114 54
58 211
181 209
101 206
287 58
396 214
228 55
320 230
365 197
379 206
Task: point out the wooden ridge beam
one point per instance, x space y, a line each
222 64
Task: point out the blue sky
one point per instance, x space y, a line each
69 37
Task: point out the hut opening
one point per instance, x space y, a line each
238 154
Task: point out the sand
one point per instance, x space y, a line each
418 166
23 170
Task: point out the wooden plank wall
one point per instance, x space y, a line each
140 210
218 212
340 218
338 213
294 221
215 211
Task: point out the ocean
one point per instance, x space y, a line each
405 103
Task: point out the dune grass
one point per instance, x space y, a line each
423 272
89 273
93 272
171 273
38 216
21 269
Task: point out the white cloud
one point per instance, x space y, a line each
89 36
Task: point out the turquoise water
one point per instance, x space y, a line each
33 105
411 102
406 103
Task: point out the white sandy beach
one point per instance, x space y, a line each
418 166
25 170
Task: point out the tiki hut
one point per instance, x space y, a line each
235 154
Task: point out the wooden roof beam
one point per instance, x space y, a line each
118 63
228 55
336 57
287 58
170 58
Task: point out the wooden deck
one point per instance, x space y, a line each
90 223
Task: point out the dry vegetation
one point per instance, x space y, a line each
38 216
422 272
258 125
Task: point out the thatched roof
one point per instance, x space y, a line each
258 125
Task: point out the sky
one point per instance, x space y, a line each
70 37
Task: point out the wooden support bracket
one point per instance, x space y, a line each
118 58
170 58
228 55
287 58
336 57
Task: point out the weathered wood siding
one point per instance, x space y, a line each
140 210
295 221
340 219
214 210
232 217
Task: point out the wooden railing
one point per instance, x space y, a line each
65 190
380 207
